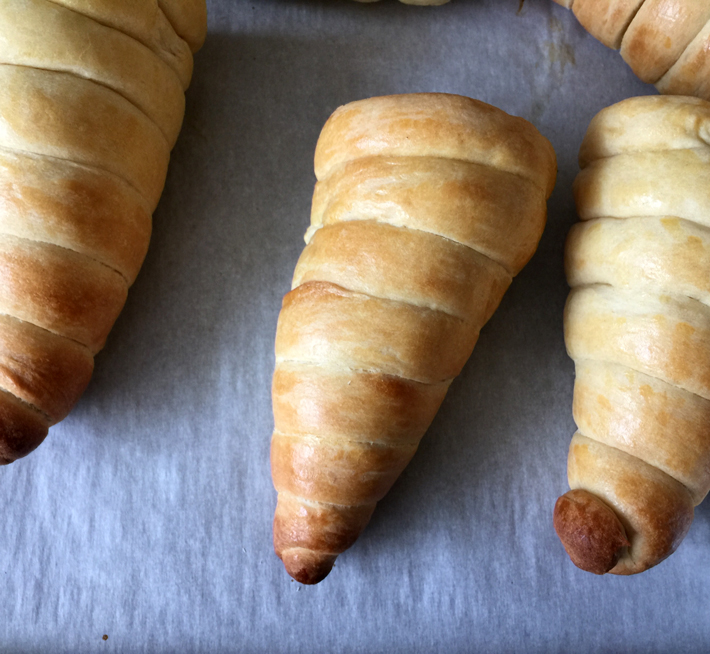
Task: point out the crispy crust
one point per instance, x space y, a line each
665 42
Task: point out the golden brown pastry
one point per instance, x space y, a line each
666 42
426 207
91 103
637 324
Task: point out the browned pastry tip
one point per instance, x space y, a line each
22 428
306 566
308 536
590 531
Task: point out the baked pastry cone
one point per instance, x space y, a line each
637 324
91 102
666 42
426 207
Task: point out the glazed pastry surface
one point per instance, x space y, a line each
426 207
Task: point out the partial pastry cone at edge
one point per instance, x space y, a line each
426 207
92 101
666 43
637 325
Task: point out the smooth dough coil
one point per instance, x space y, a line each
91 103
426 207
637 324
666 42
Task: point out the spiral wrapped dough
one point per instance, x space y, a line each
637 324
666 42
91 104
426 206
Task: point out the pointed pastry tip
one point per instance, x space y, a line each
22 428
307 566
590 531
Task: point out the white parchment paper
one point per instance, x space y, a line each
146 515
